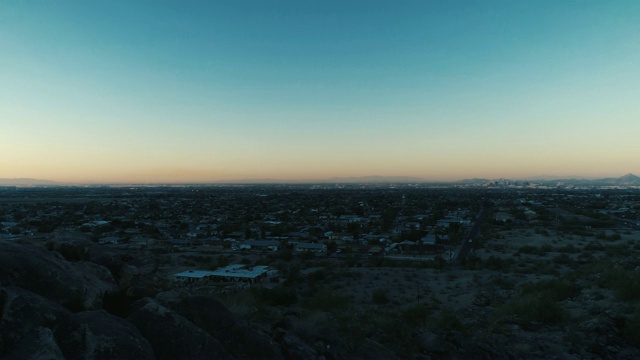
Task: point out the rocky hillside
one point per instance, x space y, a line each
72 300
66 298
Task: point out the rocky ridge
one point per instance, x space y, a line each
73 299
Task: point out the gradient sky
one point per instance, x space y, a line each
192 91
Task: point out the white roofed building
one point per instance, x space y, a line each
230 273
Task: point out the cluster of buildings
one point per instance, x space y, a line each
227 274
296 218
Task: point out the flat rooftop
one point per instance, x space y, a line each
235 270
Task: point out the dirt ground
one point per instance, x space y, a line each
457 288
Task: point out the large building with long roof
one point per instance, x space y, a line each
230 273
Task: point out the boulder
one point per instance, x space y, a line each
240 340
295 348
71 250
98 281
74 246
110 259
127 275
171 298
172 336
32 268
247 342
602 335
22 311
37 344
206 312
99 335
141 281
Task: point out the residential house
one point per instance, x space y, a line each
310 247
272 245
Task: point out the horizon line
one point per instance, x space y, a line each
371 179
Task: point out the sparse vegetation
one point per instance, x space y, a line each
379 297
556 277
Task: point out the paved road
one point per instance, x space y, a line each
467 244
411 257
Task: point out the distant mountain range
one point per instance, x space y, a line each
333 180
375 179
28 182
626 180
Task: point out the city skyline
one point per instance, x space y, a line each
171 92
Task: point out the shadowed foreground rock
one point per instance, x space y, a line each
32 268
24 311
171 335
37 344
99 335
242 341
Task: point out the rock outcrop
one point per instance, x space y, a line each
242 341
32 268
26 324
172 336
100 335
37 344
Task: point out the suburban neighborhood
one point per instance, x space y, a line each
303 264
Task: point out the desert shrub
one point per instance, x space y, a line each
286 254
616 250
588 270
438 262
502 282
545 248
221 261
379 297
594 246
554 290
235 301
533 309
326 299
530 266
347 274
279 296
351 262
307 255
631 330
447 320
310 328
315 277
497 264
586 256
410 276
546 268
568 249
527 249
625 283
563 259
534 250
391 331
416 315
614 237
472 262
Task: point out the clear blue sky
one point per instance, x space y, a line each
172 91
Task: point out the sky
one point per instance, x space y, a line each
198 91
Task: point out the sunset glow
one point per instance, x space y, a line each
206 91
